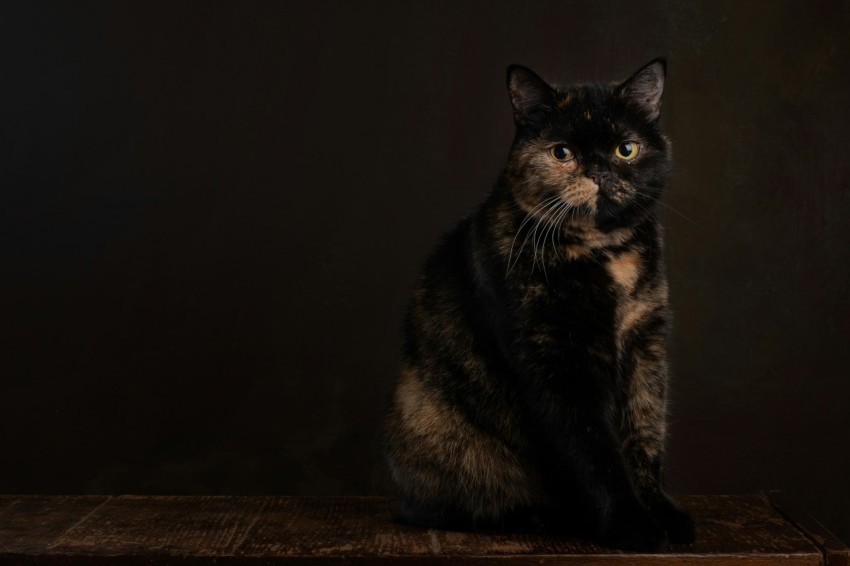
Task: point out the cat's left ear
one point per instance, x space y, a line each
645 87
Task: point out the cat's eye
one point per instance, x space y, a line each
627 150
561 152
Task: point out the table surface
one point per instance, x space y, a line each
130 529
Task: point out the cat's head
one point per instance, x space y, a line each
588 153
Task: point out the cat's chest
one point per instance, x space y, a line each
638 291
599 282
605 298
624 270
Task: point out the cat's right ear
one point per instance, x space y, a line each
645 87
529 93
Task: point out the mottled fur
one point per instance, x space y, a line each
534 378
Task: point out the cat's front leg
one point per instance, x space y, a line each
644 435
646 470
588 462
569 414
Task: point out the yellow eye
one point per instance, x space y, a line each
627 150
561 152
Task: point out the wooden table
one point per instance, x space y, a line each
129 529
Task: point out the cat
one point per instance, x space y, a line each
533 382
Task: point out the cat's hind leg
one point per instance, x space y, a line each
451 473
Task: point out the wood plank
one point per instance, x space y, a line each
283 530
180 525
742 524
28 524
729 527
836 553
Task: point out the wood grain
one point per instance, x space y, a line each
281 530
835 552
29 523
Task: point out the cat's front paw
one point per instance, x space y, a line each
635 529
677 522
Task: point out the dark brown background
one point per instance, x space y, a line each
212 213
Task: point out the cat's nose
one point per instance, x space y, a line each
598 177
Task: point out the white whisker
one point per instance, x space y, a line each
550 224
558 227
530 216
546 216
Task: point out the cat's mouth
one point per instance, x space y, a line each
581 202
582 193
618 193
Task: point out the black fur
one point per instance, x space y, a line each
533 386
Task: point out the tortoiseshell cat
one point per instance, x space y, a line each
534 375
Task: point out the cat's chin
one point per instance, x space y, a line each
610 216
582 223
592 221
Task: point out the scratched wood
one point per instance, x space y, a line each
181 525
835 552
282 530
30 524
